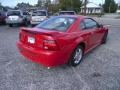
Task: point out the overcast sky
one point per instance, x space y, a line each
12 3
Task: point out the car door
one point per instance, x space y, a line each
86 34
97 31
100 33
90 29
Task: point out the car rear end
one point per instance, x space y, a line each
38 16
2 17
47 43
40 47
14 17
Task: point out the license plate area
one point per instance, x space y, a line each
31 40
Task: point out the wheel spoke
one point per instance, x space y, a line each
78 56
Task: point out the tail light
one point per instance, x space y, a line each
21 36
46 42
50 45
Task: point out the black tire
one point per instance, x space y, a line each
10 25
25 23
72 61
104 39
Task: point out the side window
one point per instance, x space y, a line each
89 23
82 25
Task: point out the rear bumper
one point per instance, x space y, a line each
46 58
14 21
35 22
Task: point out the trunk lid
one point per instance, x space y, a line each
34 37
38 18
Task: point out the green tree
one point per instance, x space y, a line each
42 3
23 5
76 5
118 6
48 2
110 6
39 3
70 5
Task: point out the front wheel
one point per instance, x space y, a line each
77 56
104 39
26 23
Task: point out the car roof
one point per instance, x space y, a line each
41 10
73 16
14 11
67 11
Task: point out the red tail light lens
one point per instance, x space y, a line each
50 45
21 36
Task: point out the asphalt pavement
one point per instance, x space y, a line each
100 69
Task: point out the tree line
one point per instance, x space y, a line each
109 6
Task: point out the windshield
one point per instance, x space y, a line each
66 13
57 23
11 13
39 13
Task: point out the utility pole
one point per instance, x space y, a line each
85 4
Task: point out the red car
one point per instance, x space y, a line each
61 40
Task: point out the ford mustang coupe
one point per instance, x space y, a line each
61 40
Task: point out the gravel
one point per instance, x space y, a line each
100 69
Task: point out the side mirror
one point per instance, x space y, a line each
100 26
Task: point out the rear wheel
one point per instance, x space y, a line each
104 39
77 56
10 25
27 23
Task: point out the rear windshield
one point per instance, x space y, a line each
57 23
39 13
12 13
66 13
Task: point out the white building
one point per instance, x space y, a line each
92 8
54 1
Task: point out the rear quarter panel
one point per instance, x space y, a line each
68 41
